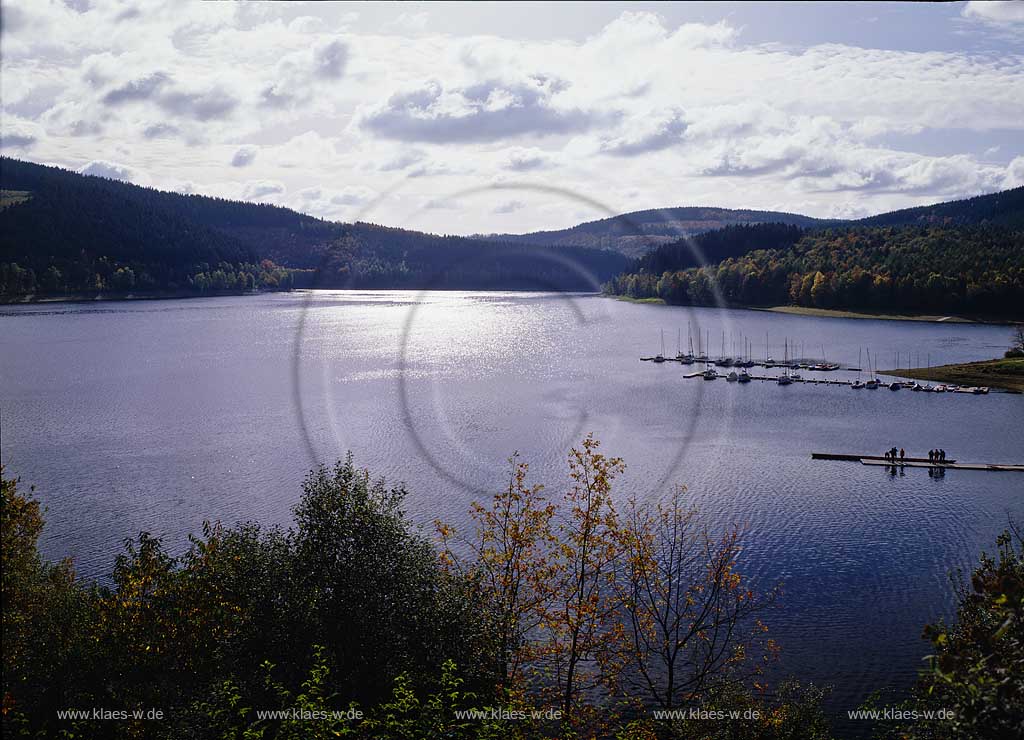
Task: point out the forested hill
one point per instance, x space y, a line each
634 234
62 233
1005 208
974 269
715 246
638 233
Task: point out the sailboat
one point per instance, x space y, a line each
784 379
702 355
687 359
857 384
872 384
794 365
660 357
722 360
747 361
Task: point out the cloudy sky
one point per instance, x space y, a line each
446 117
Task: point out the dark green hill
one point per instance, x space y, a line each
714 246
63 233
70 234
1005 208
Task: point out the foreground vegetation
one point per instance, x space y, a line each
352 623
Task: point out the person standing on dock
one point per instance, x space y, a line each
942 456
902 455
931 456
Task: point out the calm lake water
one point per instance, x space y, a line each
158 415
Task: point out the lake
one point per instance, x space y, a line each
157 415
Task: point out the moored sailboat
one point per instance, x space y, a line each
660 357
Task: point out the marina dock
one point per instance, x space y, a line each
792 372
736 364
860 458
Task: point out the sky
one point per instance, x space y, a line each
503 117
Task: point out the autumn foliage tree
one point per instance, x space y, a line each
508 565
600 612
690 619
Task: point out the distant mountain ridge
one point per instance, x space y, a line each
639 232
63 233
1004 208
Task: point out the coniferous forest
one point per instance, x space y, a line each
63 234
70 235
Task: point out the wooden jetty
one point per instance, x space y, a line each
950 466
859 458
917 462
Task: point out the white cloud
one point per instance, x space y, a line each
318 116
995 11
353 195
648 134
1014 173
440 204
19 134
524 159
244 156
509 206
261 189
487 111
403 160
114 171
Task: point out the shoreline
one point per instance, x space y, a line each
791 310
120 297
1007 374
647 301
831 313
839 313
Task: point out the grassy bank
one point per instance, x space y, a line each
628 299
840 314
1008 374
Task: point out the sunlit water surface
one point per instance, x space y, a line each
158 415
